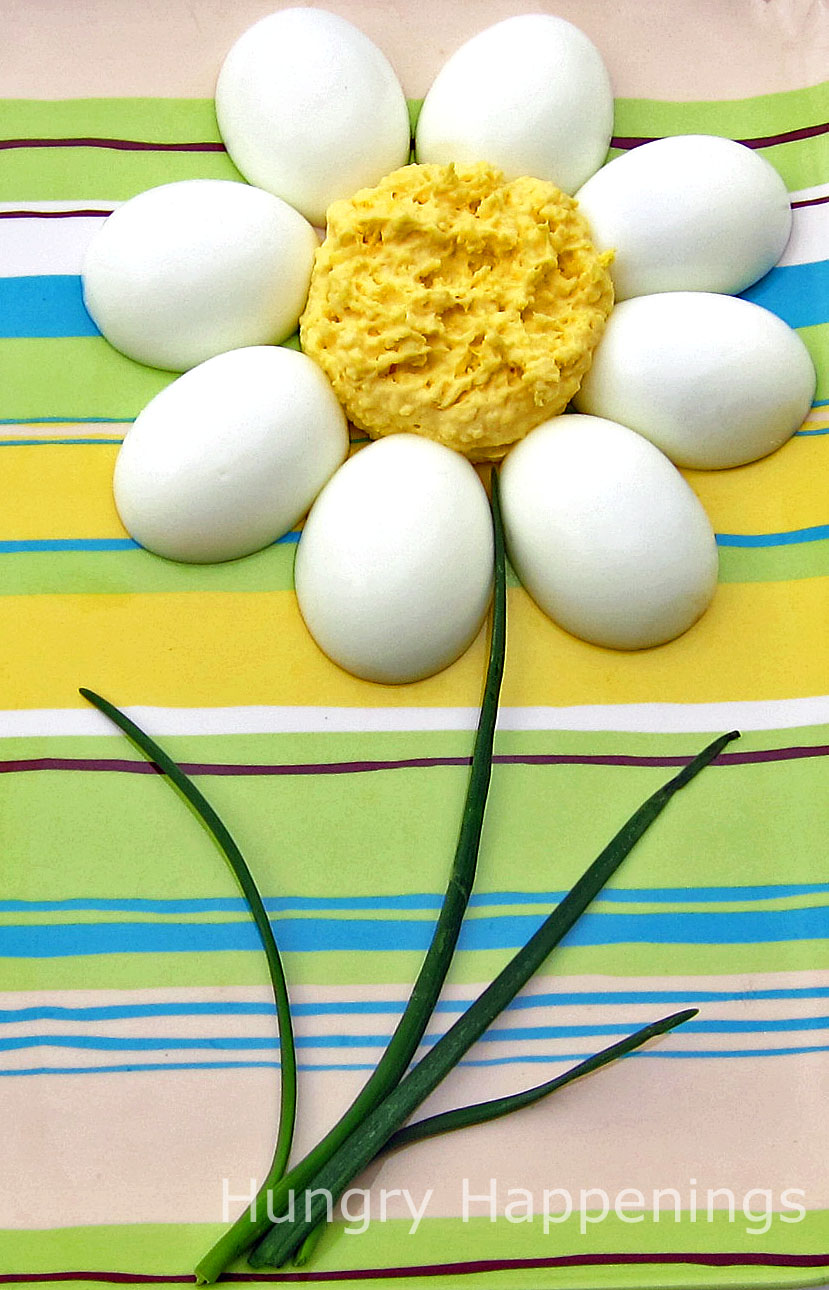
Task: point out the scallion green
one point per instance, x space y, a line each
244 877
390 1115
256 1219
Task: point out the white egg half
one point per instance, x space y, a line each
191 269
712 380
228 458
530 95
689 213
310 109
395 563
605 534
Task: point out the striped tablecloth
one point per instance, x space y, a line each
138 1050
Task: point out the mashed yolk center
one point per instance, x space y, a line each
451 303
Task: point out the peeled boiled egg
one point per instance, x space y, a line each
190 269
310 109
228 457
689 213
395 562
605 534
529 95
712 380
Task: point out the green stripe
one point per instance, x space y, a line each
159 120
543 826
101 174
485 910
750 118
73 377
178 120
816 340
155 1248
333 968
774 564
138 572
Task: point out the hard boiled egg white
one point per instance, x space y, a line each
191 269
530 95
690 213
228 458
395 562
605 534
712 380
310 109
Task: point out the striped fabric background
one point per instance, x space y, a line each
138 1052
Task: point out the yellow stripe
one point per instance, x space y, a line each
66 491
758 640
784 491
58 491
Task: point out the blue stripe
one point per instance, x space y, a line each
803 434
44 305
384 1007
420 900
68 544
45 443
16 546
369 1007
525 1034
814 534
797 293
67 420
368 1066
299 935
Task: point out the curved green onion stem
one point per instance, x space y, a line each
464 1117
379 1125
426 990
242 874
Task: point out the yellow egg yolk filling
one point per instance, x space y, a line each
453 304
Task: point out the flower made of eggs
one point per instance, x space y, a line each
602 529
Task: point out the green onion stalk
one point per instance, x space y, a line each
258 1217
244 877
377 1128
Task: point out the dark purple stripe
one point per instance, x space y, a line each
142 145
467 1267
52 214
810 201
120 145
403 763
628 141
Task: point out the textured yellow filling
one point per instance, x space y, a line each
450 303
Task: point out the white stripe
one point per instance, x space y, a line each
38 246
47 431
809 194
809 240
638 1124
642 718
104 204
628 1016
